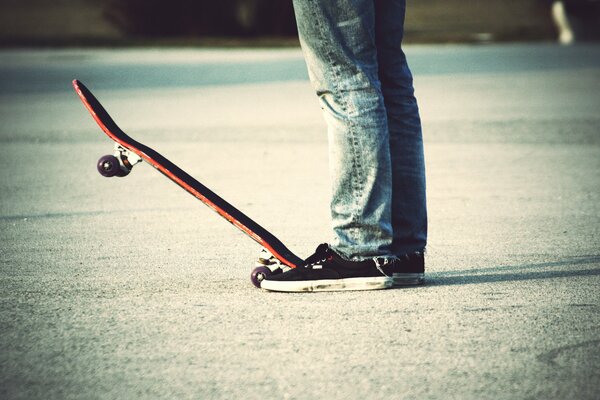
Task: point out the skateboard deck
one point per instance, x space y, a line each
129 152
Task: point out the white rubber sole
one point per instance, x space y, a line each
329 285
408 279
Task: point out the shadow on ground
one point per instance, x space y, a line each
511 273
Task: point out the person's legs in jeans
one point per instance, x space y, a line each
352 50
338 41
409 211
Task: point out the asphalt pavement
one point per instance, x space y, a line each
130 288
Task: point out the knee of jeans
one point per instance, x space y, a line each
353 103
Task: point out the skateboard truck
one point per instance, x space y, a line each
119 164
266 265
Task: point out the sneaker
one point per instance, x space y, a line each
328 271
407 270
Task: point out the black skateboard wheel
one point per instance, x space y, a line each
108 166
123 172
259 274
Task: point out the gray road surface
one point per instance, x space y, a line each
131 288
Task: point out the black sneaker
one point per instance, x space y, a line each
407 270
327 271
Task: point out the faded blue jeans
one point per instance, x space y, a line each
355 62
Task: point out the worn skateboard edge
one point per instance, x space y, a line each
185 181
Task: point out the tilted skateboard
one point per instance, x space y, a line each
129 152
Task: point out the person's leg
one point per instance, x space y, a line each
338 41
409 212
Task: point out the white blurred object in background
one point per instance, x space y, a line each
577 20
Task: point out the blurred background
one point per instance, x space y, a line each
271 22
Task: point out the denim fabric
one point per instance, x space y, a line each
355 62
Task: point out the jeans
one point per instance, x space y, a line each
356 64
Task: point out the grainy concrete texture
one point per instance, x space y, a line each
130 288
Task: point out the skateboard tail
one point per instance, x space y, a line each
185 181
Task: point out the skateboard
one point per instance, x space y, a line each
129 152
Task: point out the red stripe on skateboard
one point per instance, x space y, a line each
179 181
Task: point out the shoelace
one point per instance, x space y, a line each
381 262
321 254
